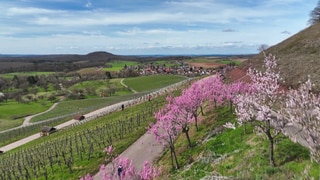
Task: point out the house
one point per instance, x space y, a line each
79 117
46 130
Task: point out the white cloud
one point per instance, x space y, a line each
177 25
16 11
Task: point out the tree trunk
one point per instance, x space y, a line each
173 154
271 152
231 106
186 131
175 157
271 144
244 128
196 120
201 110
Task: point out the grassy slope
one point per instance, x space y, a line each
100 85
12 113
298 56
235 154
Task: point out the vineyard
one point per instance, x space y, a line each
63 112
78 149
64 156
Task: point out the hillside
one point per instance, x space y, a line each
69 62
59 62
298 57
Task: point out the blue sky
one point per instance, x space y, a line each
144 27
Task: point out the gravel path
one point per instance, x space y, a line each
144 149
26 121
127 86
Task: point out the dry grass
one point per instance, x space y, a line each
298 57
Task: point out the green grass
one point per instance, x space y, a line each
13 113
95 83
167 63
11 75
7 124
68 108
119 65
102 85
147 83
227 61
218 61
236 155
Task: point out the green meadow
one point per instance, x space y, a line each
152 82
13 113
11 75
167 63
215 60
119 65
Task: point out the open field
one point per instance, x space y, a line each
119 65
213 62
152 82
13 113
167 63
102 85
35 73
82 106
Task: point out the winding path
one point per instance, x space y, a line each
26 121
127 86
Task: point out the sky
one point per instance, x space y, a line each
149 27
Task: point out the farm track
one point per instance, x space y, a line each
127 86
27 119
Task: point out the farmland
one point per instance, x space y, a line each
147 83
74 151
85 96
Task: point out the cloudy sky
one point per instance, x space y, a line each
144 27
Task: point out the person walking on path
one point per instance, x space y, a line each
119 171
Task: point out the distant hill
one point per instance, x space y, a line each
59 62
298 57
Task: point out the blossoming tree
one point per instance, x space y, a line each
261 106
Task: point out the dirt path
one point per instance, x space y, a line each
144 149
26 121
127 86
